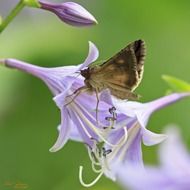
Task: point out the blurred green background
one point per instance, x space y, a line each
29 117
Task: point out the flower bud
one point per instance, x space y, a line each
70 13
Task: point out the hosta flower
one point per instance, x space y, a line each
69 12
172 174
113 133
78 108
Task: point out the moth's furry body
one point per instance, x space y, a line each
121 74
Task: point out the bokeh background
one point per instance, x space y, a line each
29 117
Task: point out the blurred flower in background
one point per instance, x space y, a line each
172 174
70 13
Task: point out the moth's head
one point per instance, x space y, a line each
85 73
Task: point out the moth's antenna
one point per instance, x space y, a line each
78 73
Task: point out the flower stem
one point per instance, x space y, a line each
12 14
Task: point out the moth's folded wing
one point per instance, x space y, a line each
122 71
121 92
126 67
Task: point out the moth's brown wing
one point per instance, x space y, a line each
125 69
121 92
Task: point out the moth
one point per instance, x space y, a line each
121 74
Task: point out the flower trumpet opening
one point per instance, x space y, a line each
100 158
89 120
95 134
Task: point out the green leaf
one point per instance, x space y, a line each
176 84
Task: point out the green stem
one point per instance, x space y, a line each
11 16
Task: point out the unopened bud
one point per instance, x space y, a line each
70 13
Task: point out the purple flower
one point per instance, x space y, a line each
173 173
70 13
116 136
78 114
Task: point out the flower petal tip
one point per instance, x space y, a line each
94 49
151 138
54 149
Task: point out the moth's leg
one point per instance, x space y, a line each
76 93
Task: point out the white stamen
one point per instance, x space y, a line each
89 184
91 158
95 169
